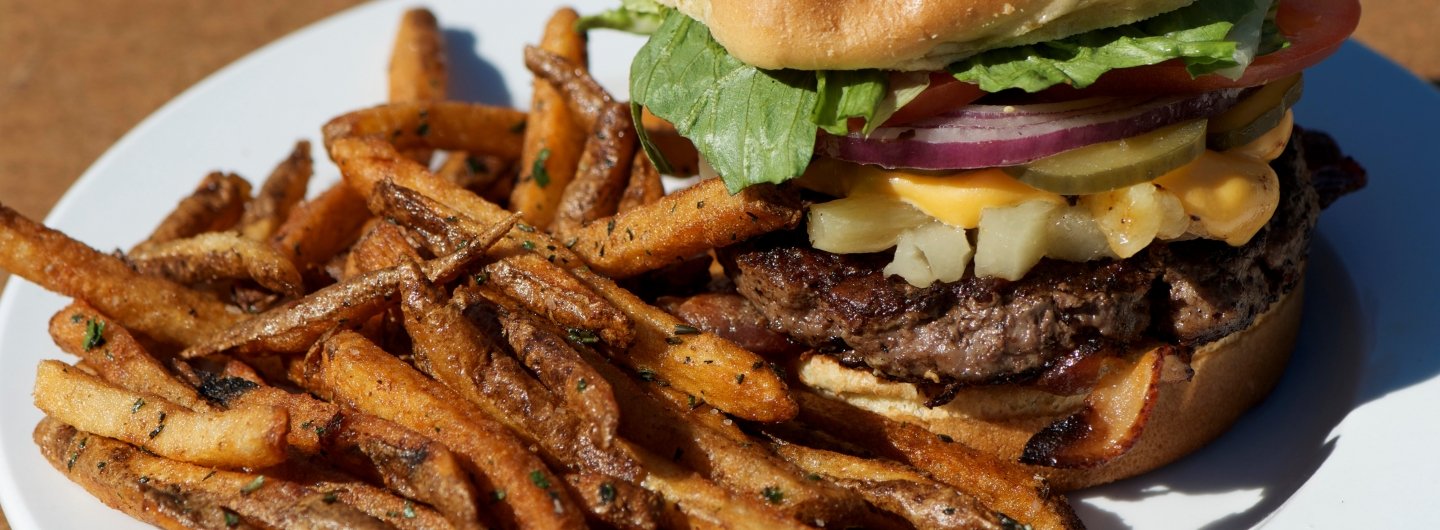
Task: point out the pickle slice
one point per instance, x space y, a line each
1112 165
1255 115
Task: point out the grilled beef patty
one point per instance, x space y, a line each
986 330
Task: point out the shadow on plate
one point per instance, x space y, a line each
1278 446
472 78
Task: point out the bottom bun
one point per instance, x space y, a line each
1231 375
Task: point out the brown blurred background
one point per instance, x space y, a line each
77 74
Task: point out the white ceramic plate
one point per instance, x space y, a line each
1345 441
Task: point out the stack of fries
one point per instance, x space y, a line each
403 351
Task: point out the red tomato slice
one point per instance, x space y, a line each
1315 29
944 93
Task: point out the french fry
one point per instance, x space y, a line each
156 307
417 60
603 171
232 439
559 366
294 327
476 173
741 465
354 372
759 396
278 195
413 466
895 488
216 204
702 364
457 353
175 494
587 99
615 503
644 186
542 286
320 228
553 141
683 224
471 127
310 418
705 502
551 292
384 246
217 256
1005 487
417 66
381 505
409 464
114 354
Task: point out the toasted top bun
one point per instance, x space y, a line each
903 35
1230 376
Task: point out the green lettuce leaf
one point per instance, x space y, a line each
634 16
845 94
752 125
1200 34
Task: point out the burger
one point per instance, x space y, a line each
1072 233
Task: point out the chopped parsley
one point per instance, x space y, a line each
538 171
538 478
94 334
581 336
253 485
607 493
773 495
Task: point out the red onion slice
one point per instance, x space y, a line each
978 136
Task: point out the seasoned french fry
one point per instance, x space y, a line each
1005 487
587 99
359 374
457 353
310 418
477 173
156 307
220 256
603 171
320 228
542 286
559 366
278 195
216 204
114 354
896 488
644 186
175 494
683 224
236 438
759 396
550 291
470 127
295 327
553 139
417 60
741 465
381 505
413 466
380 248
614 503
706 502
702 364
417 66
